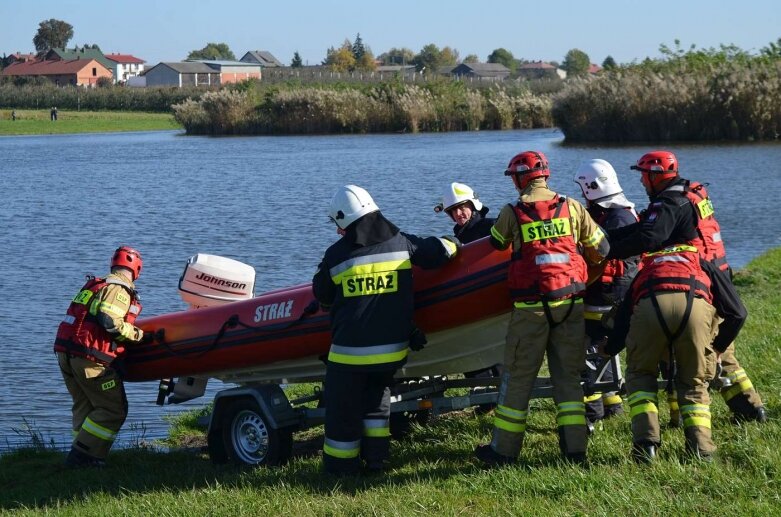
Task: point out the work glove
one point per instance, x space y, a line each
451 244
152 336
311 308
417 340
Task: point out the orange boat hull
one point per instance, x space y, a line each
250 339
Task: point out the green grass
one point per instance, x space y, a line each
433 472
37 122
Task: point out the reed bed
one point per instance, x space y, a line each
720 101
386 107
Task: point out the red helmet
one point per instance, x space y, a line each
129 258
527 166
657 167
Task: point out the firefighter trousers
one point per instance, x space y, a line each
599 405
357 419
741 397
99 403
529 338
647 345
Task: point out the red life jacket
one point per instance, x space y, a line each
676 268
547 266
81 335
708 242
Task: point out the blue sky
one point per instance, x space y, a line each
167 30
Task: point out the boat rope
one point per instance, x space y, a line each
233 321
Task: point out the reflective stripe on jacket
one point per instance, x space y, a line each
81 334
370 293
708 241
676 268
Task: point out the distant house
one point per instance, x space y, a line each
539 70
189 73
401 69
262 58
445 70
125 66
74 72
234 71
67 54
594 69
201 73
481 70
18 57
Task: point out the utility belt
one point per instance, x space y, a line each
547 305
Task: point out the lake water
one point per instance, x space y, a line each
68 201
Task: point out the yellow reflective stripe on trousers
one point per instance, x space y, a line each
368 355
98 430
343 450
592 398
696 415
639 409
594 316
510 412
737 389
564 414
498 236
510 419
512 427
556 303
612 400
376 428
638 396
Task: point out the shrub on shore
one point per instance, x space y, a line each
695 97
41 95
385 107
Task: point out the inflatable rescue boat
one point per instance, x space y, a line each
282 336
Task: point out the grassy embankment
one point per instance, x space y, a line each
433 473
37 122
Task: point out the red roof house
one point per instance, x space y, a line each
76 72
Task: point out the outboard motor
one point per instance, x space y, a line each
207 281
210 280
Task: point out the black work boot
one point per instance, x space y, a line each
491 458
577 458
77 459
644 453
694 453
744 411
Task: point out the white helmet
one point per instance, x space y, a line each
597 179
458 193
349 204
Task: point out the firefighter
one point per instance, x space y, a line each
609 207
467 212
740 396
90 342
469 215
674 300
365 281
547 279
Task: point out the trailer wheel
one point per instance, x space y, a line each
249 440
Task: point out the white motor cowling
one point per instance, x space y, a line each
210 280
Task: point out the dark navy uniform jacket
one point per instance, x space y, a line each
365 280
